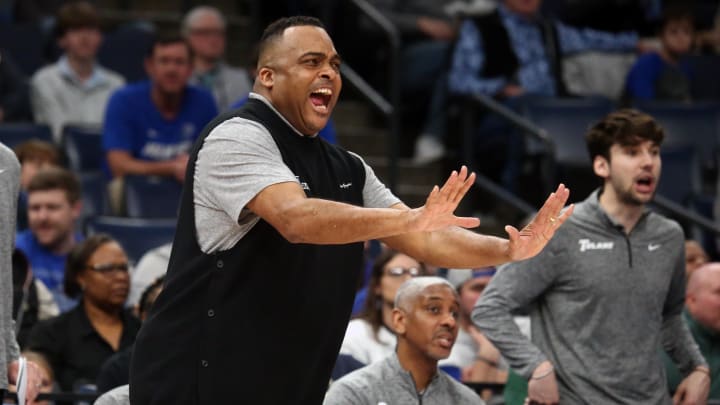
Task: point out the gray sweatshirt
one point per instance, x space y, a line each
603 302
9 187
386 382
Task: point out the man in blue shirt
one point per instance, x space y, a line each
54 207
150 126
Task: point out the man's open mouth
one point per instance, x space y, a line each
320 99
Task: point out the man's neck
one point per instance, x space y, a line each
626 214
168 104
421 369
64 246
203 65
83 68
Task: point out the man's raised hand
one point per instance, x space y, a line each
439 209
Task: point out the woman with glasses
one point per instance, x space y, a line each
77 342
369 337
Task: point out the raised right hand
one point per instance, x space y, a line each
438 211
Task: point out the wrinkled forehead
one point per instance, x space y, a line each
306 38
437 293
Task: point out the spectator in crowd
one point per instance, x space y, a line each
150 126
204 27
478 359
54 206
702 315
425 318
370 337
607 291
9 350
33 156
77 342
14 91
76 89
665 75
32 301
116 370
512 52
695 256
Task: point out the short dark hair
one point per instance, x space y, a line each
625 127
676 13
165 40
56 178
275 30
76 15
37 150
77 261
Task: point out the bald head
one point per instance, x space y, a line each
411 290
702 298
200 13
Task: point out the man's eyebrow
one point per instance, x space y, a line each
322 55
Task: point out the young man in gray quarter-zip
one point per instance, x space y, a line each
606 292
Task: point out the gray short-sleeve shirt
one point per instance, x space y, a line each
238 159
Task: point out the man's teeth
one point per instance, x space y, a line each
323 91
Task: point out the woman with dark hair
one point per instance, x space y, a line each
369 337
77 342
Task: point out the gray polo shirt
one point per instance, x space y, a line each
603 302
238 159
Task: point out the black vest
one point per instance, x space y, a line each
500 58
261 323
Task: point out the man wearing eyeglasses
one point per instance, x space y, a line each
204 27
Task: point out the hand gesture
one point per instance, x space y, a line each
532 239
694 389
542 387
438 211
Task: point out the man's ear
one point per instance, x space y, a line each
398 321
601 167
266 77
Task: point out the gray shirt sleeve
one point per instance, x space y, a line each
516 285
9 187
238 159
676 337
342 392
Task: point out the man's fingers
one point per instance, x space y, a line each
469 181
467 222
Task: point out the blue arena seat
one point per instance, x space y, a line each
94 189
152 197
136 235
83 148
680 180
13 134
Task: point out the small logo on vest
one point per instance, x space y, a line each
652 247
303 184
345 185
587 244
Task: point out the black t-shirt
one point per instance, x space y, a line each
74 348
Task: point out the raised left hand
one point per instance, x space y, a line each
535 236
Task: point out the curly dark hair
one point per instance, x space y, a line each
625 127
77 261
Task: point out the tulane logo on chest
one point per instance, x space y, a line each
587 244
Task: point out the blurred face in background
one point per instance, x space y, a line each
695 256
51 217
81 43
206 35
400 268
105 280
677 37
169 67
